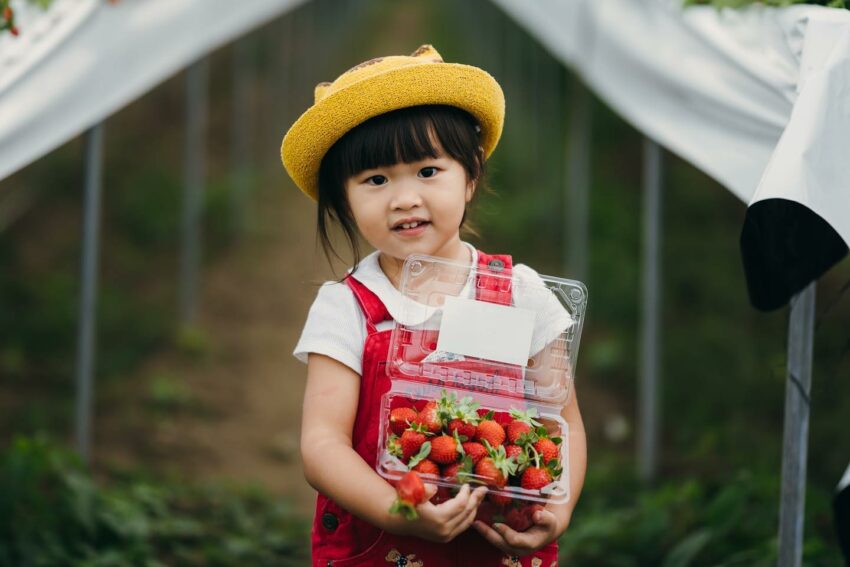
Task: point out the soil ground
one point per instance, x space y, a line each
237 406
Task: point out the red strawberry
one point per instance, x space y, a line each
400 419
517 520
535 478
522 518
462 427
411 441
500 499
476 451
490 431
450 471
411 492
494 470
514 452
427 466
444 450
429 417
503 418
394 445
490 473
515 429
547 449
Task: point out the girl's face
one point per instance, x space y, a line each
409 208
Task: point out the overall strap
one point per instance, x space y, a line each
495 288
373 308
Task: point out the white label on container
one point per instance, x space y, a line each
486 330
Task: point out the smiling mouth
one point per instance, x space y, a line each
409 225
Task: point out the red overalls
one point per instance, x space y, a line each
340 539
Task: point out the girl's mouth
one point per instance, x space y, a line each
411 228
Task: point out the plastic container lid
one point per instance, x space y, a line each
505 332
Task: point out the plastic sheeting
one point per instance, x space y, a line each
82 65
758 98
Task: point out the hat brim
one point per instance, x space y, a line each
452 84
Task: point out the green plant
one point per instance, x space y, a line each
686 521
53 513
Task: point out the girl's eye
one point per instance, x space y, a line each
428 171
376 180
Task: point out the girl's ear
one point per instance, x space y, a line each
470 190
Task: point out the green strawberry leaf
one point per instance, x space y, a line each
424 451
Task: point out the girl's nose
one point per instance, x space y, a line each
405 196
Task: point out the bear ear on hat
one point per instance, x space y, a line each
427 51
320 91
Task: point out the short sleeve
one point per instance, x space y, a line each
551 319
335 327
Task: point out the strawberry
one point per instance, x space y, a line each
517 520
427 466
463 418
394 445
459 471
449 472
400 419
547 449
514 452
429 418
411 492
522 518
494 470
519 456
475 450
490 431
411 441
462 427
500 499
503 418
444 450
535 478
490 473
515 429
521 425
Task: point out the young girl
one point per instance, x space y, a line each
394 150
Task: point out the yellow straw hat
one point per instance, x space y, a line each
381 85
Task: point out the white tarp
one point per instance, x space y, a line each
757 98
82 65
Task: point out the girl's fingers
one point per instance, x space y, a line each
466 515
546 519
511 537
491 535
430 491
472 510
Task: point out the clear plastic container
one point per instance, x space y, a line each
480 343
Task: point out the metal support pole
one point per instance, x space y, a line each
648 418
86 335
796 434
241 126
578 183
196 123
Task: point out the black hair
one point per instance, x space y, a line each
410 132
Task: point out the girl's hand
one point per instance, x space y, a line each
444 522
544 531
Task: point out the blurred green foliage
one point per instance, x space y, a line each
722 365
684 522
53 513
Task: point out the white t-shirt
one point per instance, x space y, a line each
336 326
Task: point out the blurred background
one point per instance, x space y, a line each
194 456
